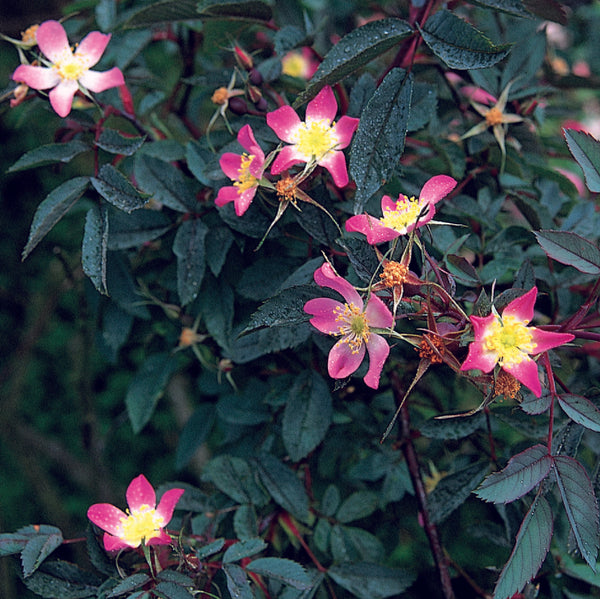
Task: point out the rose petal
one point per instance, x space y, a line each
344 130
92 46
107 517
36 77
436 188
287 157
323 106
323 310
52 40
167 503
115 544
342 362
378 314
379 350
326 277
285 122
61 97
526 372
545 340
371 227
161 539
140 492
248 142
98 82
231 164
521 308
335 163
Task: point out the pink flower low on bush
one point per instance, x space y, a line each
144 520
351 321
68 71
508 341
317 139
404 214
245 170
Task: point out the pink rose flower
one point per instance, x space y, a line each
244 170
68 71
403 215
318 139
143 522
351 321
508 341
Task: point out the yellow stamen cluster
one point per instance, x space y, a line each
406 212
71 67
28 36
314 139
286 189
494 116
510 339
220 96
246 180
294 65
428 346
141 525
354 326
506 384
394 273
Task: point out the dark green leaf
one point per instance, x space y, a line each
453 490
191 264
531 547
164 11
94 247
422 107
234 477
237 582
452 428
243 549
62 580
217 245
147 387
550 10
171 590
210 549
262 279
362 256
307 414
379 140
164 183
283 486
330 501
581 410
114 142
202 162
580 504
352 544
245 10
49 154
245 522
122 288
133 230
11 543
116 189
135 581
523 472
38 549
287 38
56 204
371 581
355 50
525 60
459 44
512 7
284 570
216 304
358 505
462 270
194 434
246 409
569 248
586 150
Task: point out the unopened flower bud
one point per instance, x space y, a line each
262 105
254 94
256 77
243 59
238 106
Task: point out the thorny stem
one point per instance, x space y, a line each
408 449
552 386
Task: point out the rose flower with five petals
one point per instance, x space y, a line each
144 520
508 341
352 321
317 139
403 215
68 71
245 170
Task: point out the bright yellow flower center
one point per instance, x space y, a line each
141 525
246 180
294 65
71 67
354 327
510 339
315 139
407 212
494 117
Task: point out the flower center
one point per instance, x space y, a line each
407 212
71 67
315 138
286 189
294 65
220 96
506 384
246 180
432 348
494 116
353 326
510 339
393 273
140 525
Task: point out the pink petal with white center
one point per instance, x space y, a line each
98 82
344 130
379 350
231 164
545 340
115 544
167 503
437 188
248 142
140 492
478 357
285 122
160 539
107 517
92 47
52 40
287 157
521 308
61 97
326 277
335 163
324 315
36 77
526 372
371 227
323 106
378 314
342 362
